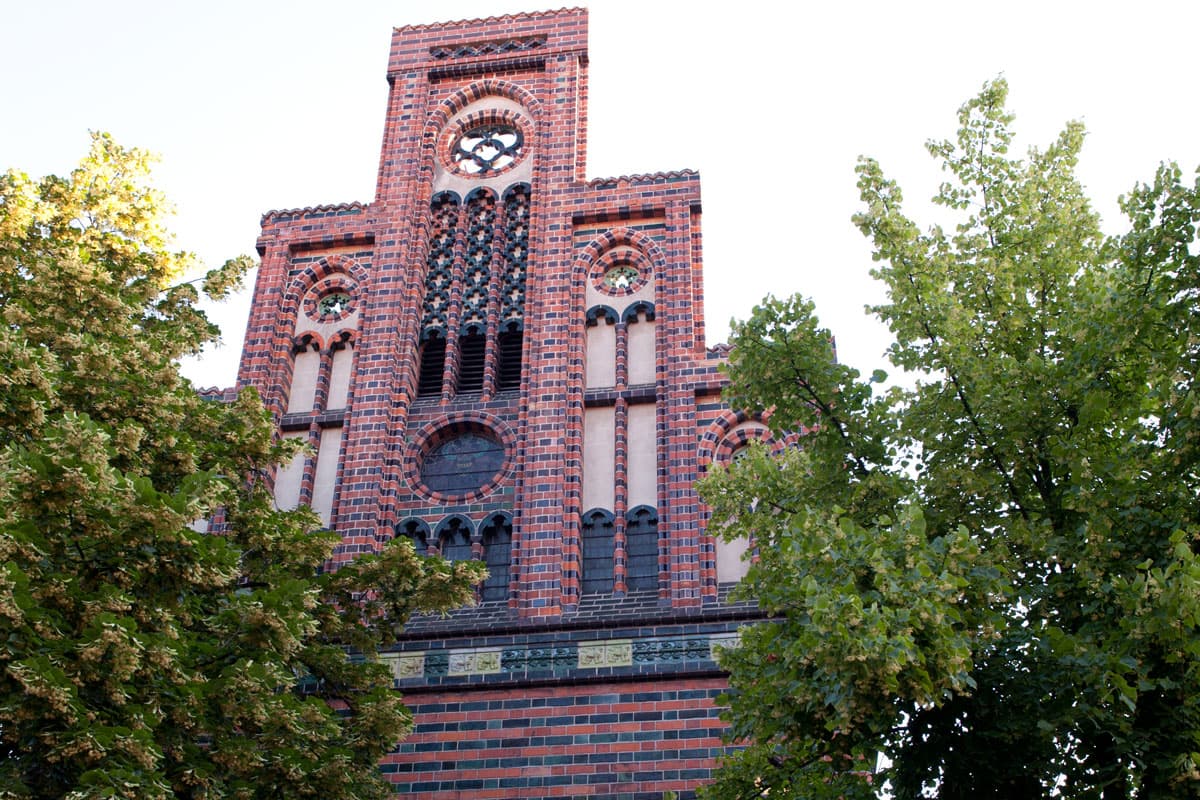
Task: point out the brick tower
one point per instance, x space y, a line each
503 360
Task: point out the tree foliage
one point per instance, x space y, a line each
991 577
138 657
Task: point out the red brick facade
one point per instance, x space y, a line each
506 361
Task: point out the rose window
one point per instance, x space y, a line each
487 149
333 305
463 464
622 277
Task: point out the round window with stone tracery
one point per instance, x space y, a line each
487 149
331 299
622 278
619 278
463 463
334 305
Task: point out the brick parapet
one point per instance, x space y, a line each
537 35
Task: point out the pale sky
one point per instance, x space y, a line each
261 105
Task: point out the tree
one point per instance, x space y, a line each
138 657
991 577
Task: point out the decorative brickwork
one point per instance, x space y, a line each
635 740
501 360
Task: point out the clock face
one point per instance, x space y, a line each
485 150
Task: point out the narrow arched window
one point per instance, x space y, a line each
640 321
641 548
416 531
433 362
508 357
439 275
339 375
454 539
306 368
596 532
471 350
497 554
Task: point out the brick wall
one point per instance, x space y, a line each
634 740
544 690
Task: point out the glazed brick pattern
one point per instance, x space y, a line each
686 644
619 740
570 218
549 693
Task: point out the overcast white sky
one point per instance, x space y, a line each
262 105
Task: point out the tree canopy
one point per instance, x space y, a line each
989 575
140 658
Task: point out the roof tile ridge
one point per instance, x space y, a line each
483 20
355 205
645 177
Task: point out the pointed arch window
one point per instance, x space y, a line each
509 345
433 363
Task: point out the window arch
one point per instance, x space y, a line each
510 342
641 548
416 531
454 538
472 325
497 554
433 363
306 368
439 274
639 317
596 535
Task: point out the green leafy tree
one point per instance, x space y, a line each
991 577
138 657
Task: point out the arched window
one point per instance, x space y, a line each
433 361
640 321
508 356
416 531
339 374
454 538
471 349
475 274
497 554
641 548
600 347
510 340
439 275
596 532
306 367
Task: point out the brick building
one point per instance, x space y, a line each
504 360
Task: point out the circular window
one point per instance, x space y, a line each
334 305
622 278
618 276
465 463
487 149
